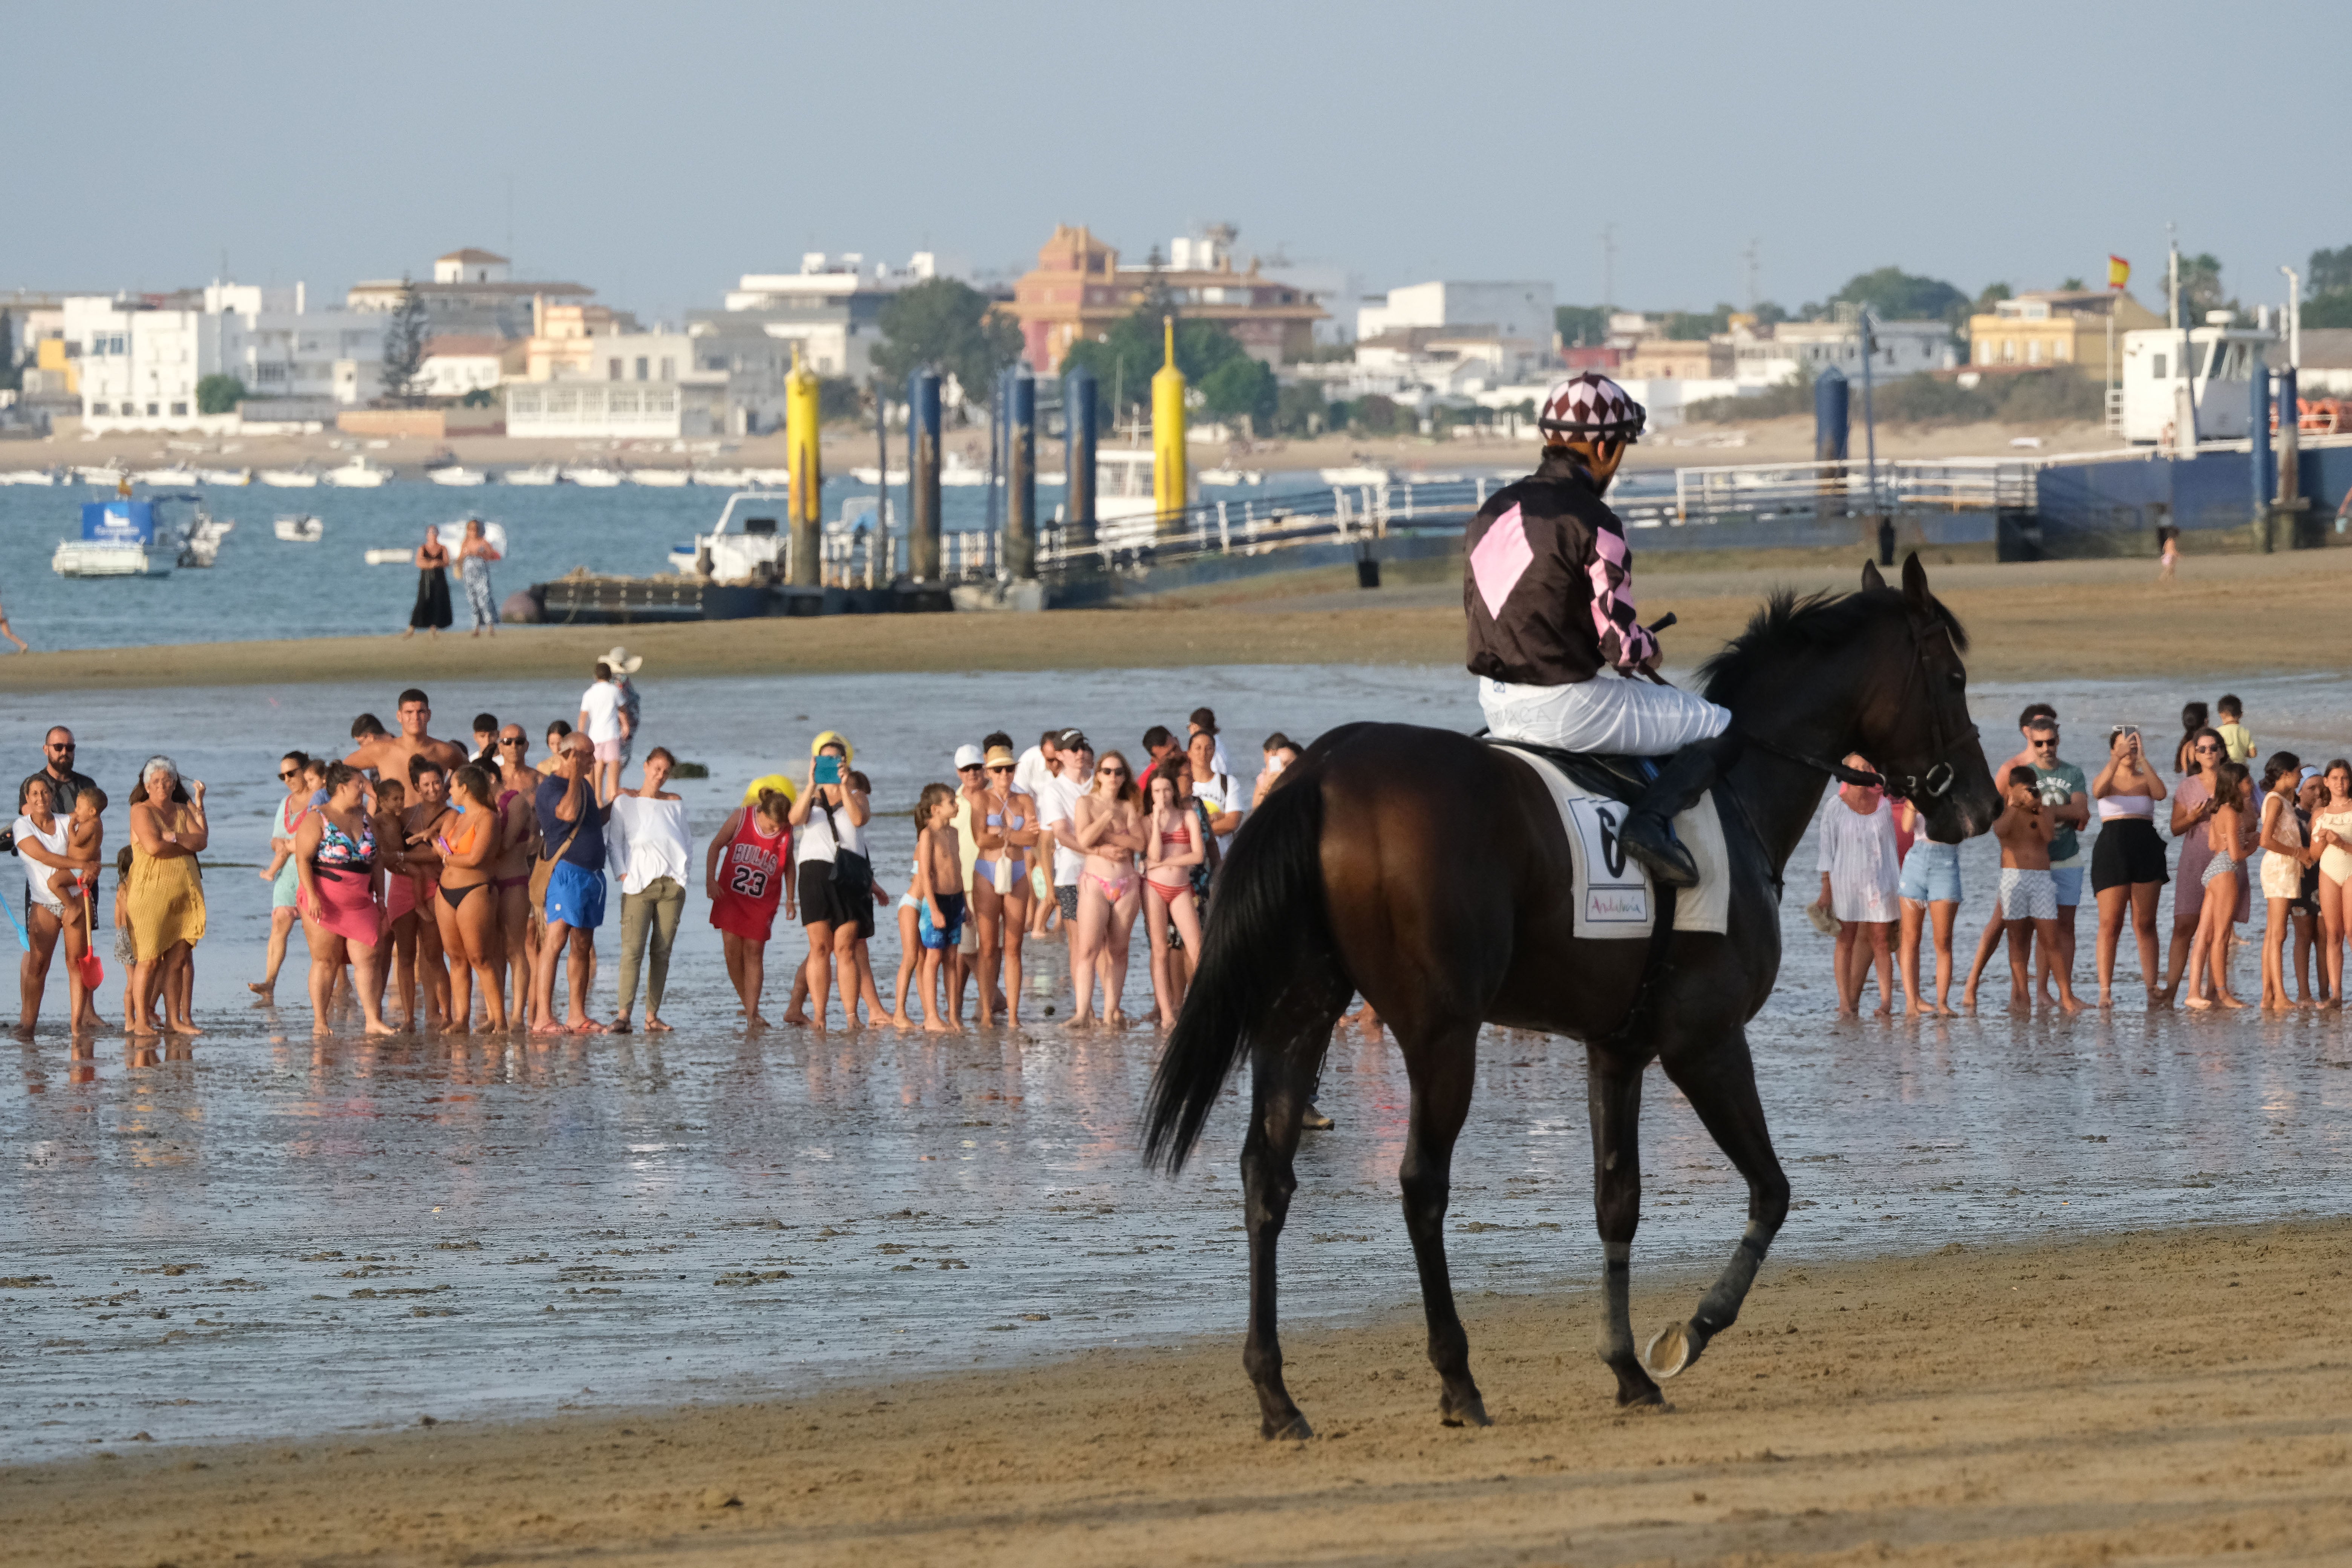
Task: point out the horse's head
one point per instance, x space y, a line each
1912 719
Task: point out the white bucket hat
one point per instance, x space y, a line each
620 662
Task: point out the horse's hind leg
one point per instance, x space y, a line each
1614 1100
1441 1068
1281 1078
1720 1084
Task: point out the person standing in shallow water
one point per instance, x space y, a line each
474 558
431 610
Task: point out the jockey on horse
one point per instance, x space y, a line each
1562 659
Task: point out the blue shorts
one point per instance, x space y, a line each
575 897
2069 882
952 905
284 891
1931 873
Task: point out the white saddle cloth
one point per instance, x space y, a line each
1611 889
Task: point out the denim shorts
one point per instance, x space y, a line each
2068 879
1931 873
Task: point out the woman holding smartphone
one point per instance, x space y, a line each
2127 858
831 816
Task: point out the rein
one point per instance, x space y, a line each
1933 785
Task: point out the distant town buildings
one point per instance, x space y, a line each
1799 350
832 308
459 365
138 364
471 294
2056 326
1078 290
1521 310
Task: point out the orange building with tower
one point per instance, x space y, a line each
1078 289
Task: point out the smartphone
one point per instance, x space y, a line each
828 770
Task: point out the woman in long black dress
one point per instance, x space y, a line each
432 611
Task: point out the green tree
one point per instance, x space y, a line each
219 395
1378 416
403 346
1125 358
2200 286
1586 325
2071 284
11 379
1894 295
1692 326
2329 270
1301 409
1242 388
838 397
950 327
2333 309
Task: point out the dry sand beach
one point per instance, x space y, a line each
2166 1396
2227 615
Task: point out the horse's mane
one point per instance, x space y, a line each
1790 625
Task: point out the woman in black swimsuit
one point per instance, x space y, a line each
432 608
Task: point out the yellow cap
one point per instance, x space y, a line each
777 782
833 738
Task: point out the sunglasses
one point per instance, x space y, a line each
61 745
972 768
1000 767
2045 745
517 743
289 774
1110 773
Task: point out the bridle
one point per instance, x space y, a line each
1939 778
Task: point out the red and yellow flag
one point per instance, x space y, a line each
2118 271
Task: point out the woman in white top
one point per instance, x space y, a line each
2283 859
1860 871
41 846
649 847
2127 858
1008 834
828 821
604 719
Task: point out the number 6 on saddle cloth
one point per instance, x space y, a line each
1612 893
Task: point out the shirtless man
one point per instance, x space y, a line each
2027 904
428 803
390 755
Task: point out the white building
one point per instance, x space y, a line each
658 384
472 293
618 410
140 366
1798 349
1521 310
832 308
458 364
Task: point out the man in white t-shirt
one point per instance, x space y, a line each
1037 764
605 721
1219 791
1057 798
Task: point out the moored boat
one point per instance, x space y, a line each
119 539
537 474
459 475
231 478
596 478
289 479
299 529
359 474
660 479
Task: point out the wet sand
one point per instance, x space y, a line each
2164 1396
2225 616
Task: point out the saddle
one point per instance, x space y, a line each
1621 779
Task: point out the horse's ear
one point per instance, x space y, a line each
1915 583
1869 577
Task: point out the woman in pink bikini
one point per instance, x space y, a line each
1108 823
1172 834
343 895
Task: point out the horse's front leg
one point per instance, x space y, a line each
1720 1081
1277 1100
1613 1098
1442 1067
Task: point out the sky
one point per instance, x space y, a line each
656 153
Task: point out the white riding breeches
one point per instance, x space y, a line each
1610 713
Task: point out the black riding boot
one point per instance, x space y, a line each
1649 835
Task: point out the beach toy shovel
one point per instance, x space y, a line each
16 925
93 971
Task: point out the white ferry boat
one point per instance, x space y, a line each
119 538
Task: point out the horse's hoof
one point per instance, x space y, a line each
1670 1351
1295 1430
1470 1412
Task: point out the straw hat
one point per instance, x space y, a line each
833 738
1000 757
620 661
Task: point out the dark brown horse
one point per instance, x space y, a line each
1430 872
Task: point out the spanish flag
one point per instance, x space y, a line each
2118 271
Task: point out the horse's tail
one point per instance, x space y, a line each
1269 970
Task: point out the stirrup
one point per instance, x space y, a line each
1652 842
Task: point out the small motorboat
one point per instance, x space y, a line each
110 479
597 478
300 529
1356 476
1226 476
200 545
873 476
958 470
660 479
452 535
458 474
359 474
537 474
165 479
289 479
119 538
723 478
755 553
776 476
234 478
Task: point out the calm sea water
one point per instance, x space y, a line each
256 1233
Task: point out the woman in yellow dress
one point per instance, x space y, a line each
166 894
